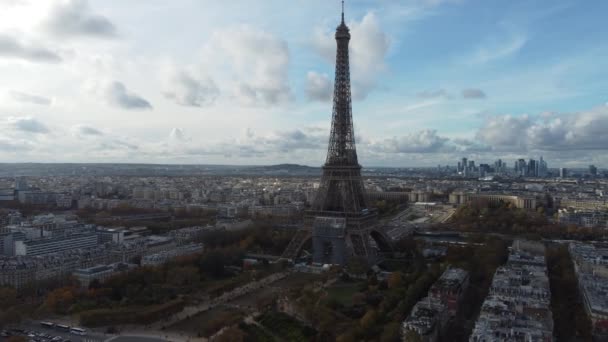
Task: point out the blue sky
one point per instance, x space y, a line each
249 81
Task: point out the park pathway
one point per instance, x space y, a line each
190 311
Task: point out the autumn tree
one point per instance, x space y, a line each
60 300
182 276
8 297
395 280
391 332
369 319
232 334
412 336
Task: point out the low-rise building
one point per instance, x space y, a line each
56 244
188 234
427 320
165 256
7 194
430 315
591 267
518 201
518 306
20 271
583 217
100 272
450 288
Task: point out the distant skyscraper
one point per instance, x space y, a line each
521 167
593 170
483 169
543 168
498 166
20 184
532 168
563 172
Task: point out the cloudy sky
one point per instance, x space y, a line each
250 81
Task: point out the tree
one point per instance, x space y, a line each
369 319
59 300
412 336
348 336
391 332
571 321
10 316
357 266
405 245
395 280
8 297
95 284
16 339
181 276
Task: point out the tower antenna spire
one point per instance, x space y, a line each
343 11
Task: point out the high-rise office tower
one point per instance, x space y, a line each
532 168
593 170
543 169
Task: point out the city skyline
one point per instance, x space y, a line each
93 81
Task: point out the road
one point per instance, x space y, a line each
36 329
135 339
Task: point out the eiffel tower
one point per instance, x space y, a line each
340 222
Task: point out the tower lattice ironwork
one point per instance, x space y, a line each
341 187
340 222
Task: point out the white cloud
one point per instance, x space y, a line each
117 94
13 145
86 131
72 18
581 131
432 94
177 134
559 132
186 90
425 141
10 47
30 98
318 87
472 93
256 60
368 50
497 49
27 124
505 132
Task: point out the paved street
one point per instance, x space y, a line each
37 332
135 339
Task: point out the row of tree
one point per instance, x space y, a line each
504 218
571 322
152 286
